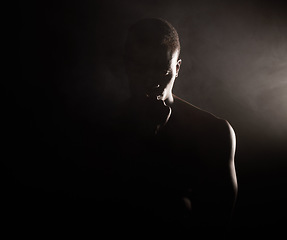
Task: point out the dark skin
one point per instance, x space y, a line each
176 160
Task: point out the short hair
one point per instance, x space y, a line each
152 32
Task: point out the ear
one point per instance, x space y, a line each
178 66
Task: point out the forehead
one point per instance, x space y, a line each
160 56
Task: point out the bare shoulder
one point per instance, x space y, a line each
200 118
213 134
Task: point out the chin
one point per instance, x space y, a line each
168 99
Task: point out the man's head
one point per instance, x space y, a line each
152 59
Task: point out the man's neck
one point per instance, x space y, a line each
151 113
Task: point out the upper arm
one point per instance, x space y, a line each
218 184
232 139
218 153
222 161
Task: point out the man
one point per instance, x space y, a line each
175 161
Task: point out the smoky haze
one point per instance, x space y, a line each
234 64
234 57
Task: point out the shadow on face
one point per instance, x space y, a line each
151 58
152 71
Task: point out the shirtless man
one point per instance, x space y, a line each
177 160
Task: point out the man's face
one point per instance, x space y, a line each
152 71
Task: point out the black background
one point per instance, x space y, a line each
234 56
